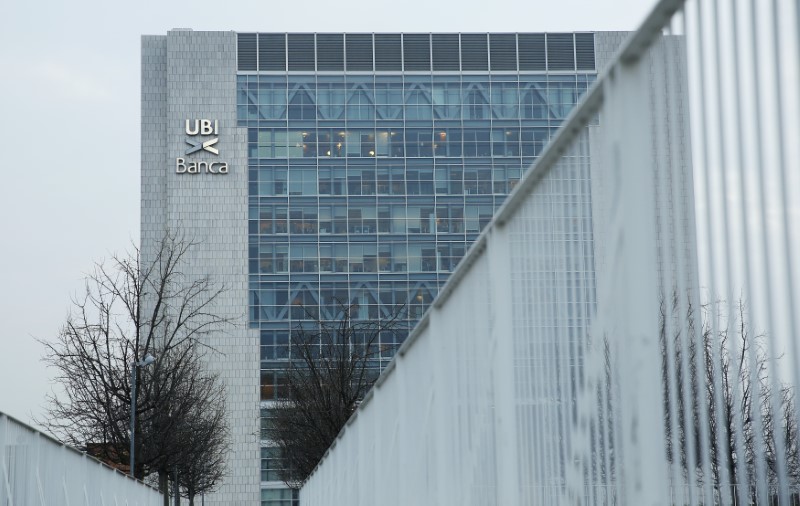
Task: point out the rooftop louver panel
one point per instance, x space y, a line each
417 51
330 51
271 51
474 51
388 52
560 51
246 52
503 51
301 51
445 51
532 53
584 51
421 52
359 51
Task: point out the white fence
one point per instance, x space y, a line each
625 330
36 470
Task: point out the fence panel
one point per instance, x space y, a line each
37 470
625 330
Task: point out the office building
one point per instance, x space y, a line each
320 168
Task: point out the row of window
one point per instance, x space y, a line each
276 358
363 182
332 295
409 180
356 181
276 143
303 109
274 386
276 345
352 258
273 301
386 89
454 218
412 100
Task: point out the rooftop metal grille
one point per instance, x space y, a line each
388 52
560 51
420 52
445 51
417 51
503 52
330 51
532 51
584 51
474 51
359 51
301 51
271 51
246 56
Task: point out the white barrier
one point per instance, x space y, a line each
588 349
36 470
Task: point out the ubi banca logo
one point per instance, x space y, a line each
202 128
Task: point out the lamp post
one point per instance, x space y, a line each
144 362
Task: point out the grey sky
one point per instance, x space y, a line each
69 97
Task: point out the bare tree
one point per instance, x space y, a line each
128 310
204 440
730 386
333 366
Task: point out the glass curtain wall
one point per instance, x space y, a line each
369 188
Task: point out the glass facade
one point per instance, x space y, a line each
367 188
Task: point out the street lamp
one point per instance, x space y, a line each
144 362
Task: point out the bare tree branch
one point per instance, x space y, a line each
746 429
333 366
126 311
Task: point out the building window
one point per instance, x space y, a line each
272 464
360 106
301 106
279 497
476 106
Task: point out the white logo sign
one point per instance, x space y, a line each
201 127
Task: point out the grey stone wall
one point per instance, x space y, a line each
192 75
606 45
154 142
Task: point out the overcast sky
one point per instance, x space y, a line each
69 132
